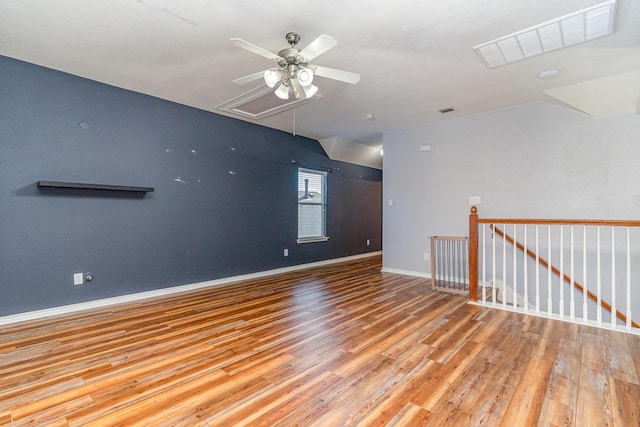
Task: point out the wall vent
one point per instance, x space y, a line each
446 110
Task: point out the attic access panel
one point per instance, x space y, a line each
261 102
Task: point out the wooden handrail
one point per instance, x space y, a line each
615 223
556 271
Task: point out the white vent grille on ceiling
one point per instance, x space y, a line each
578 27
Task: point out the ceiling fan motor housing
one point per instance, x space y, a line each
290 55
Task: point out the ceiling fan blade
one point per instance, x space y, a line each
331 73
255 49
250 78
317 47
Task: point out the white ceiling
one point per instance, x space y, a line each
414 56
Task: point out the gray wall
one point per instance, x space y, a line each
224 201
536 160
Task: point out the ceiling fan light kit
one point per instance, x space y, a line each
294 73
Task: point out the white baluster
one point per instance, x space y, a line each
585 289
561 272
598 277
572 307
525 297
537 272
493 267
504 267
515 268
628 281
549 296
613 277
484 264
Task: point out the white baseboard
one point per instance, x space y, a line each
407 272
65 309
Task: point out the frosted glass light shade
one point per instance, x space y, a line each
282 92
310 90
305 76
271 77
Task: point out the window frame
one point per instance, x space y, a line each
324 174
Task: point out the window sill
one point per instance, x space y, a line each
312 239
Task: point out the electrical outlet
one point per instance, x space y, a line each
286 252
426 256
78 279
368 242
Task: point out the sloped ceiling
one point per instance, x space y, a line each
605 96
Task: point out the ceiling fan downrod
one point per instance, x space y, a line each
292 38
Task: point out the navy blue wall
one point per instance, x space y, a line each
224 202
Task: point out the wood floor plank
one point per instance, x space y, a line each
298 379
634 348
460 401
302 408
330 418
620 357
460 334
562 388
384 407
627 398
436 386
55 415
410 416
337 345
5 417
390 397
526 403
594 390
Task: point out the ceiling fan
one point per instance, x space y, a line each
294 73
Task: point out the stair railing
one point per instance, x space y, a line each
588 274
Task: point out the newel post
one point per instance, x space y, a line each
473 254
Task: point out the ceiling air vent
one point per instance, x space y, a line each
577 27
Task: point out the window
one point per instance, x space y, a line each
312 206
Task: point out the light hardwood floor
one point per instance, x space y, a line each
331 346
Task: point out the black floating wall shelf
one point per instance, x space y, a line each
86 186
